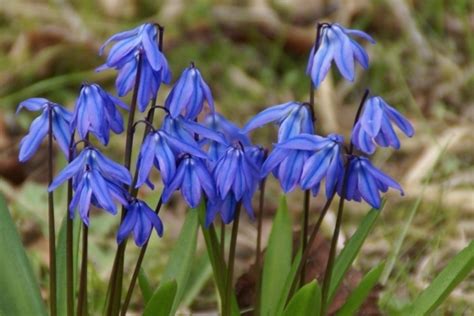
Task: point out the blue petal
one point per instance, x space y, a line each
71 169
176 183
128 223
344 56
315 168
154 219
371 119
335 172
228 209
101 192
166 160
290 170
360 54
272 114
322 60
112 169
85 201
182 93
191 188
62 133
32 104
142 229
368 188
118 37
145 158
305 142
31 142
126 78
206 180
202 130
183 147
227 165
273 160
402 123
360 34
382 177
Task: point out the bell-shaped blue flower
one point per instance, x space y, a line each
161 149
192 178
97 180
96 113
218 123
188 95
61 119
139 219
187 130
366 182
325 161
293 117
286 165
236 177
140 39
375 126
336 44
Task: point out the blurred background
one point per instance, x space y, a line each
253 54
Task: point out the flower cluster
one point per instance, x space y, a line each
212 161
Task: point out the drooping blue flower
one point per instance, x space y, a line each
365 182
218 123
375 126
192 178
161 149
293 117
40 126
96 113
136 48
188 95
189 131
257 154
97 180
336 44
237 178
139 219
286 165
325 160
140 39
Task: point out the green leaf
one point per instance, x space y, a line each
457 270
20 292
277 261
161 303
306 302
351 249
61 254
289 281
200 273
182 257
360 293
145 286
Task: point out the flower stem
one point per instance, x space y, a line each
222 241
312 238
52 233
69 242
138 266
227 306
337 228
258 257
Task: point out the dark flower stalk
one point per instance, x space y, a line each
69 241
307 193
137 268
227 303
337 228
52 233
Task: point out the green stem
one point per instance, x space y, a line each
138 266
340 210
69 242
222 241
82 296
258 257
304 232
227 306
52 233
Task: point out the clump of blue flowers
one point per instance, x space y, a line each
210 160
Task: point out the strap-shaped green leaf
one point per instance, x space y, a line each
182 257
145 286
360 293
277 261
306 302
20 292
457 270
161 303
350 251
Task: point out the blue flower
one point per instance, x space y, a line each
96 113
236 177
336 44
365 182
375 126
293 117
257 154
325 161
217 122
186 130
161 149
40 126
128 43
97 180
286 165
132 47
140 219
192 177
188 95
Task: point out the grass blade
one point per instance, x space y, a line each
145 286
161 304
307 301
360 293
456 270
20 294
